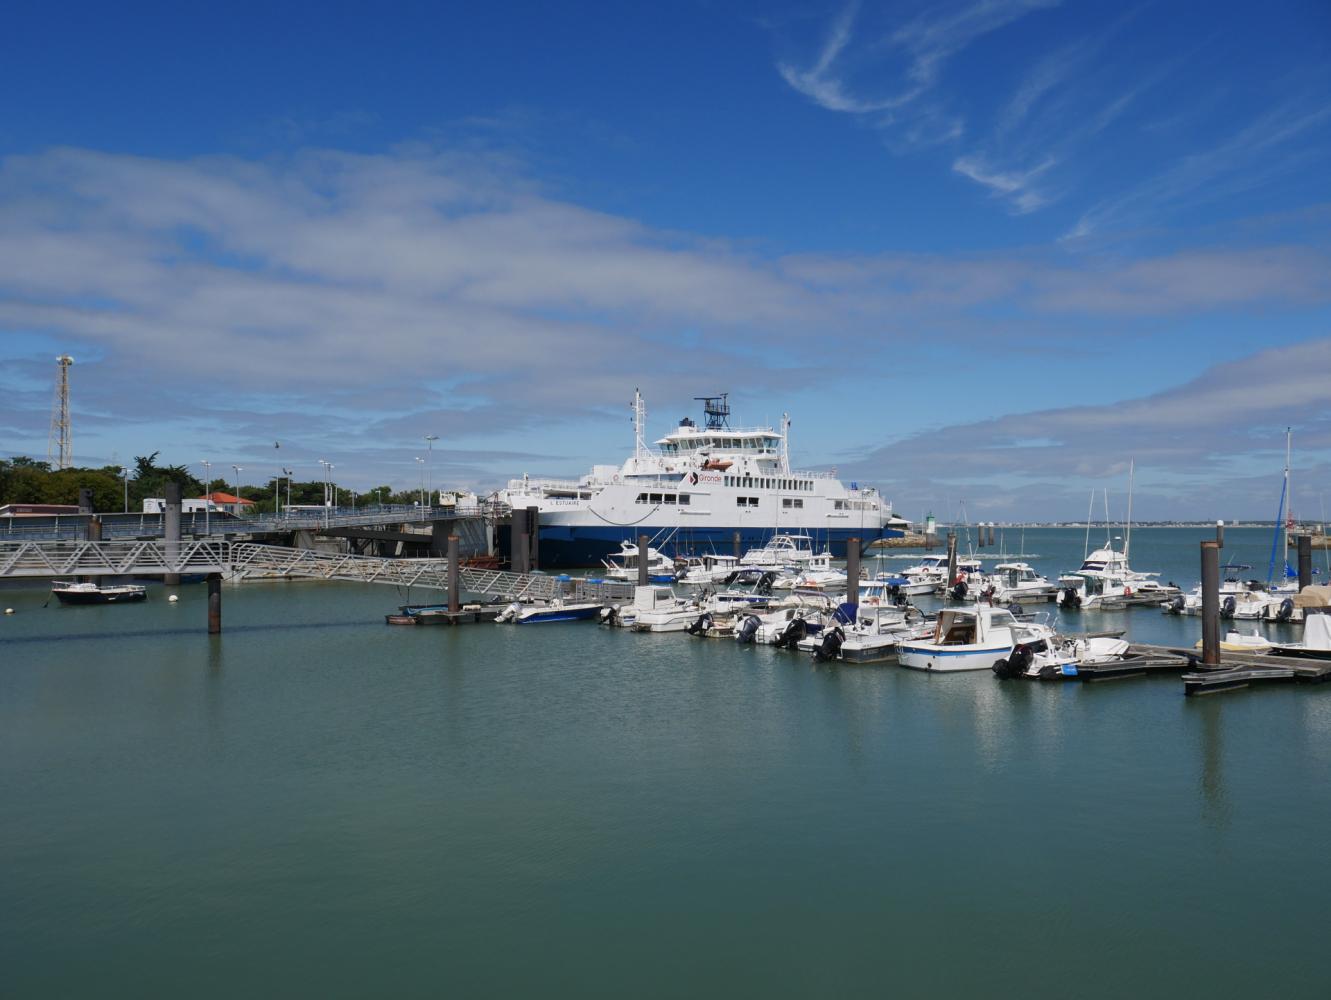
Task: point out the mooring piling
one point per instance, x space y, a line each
1211 603
642 560
534 533
1220 533
171 531
736 544
1305 561
214 603
852 570
454 576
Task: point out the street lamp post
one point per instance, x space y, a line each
238 469
430 439
420 462
207 497
124 474
288 474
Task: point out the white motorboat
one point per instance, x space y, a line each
872 635
707 569
929 575
970 639
1243 642
557 610
623 566
1017 582
782 627
1316 642
658 609
1059 656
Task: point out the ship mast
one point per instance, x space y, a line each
59 446
639 426
1289 514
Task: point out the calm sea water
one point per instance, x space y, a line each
318 804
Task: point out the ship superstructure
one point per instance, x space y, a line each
694 490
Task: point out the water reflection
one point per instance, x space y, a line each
1215 803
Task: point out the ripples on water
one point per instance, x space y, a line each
317 803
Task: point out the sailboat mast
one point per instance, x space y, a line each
1289 510
1127 540
1090 509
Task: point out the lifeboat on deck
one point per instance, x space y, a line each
717 465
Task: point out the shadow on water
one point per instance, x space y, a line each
154 633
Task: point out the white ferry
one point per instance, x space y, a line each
693 491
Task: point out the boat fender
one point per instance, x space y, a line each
1286 611
1227 607
748 629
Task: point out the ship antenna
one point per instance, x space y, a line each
716 410
639 425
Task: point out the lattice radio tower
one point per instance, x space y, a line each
59 449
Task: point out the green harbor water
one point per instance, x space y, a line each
317 804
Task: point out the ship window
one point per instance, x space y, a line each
838 505
656 498
788 502
642 498
684 499
669 498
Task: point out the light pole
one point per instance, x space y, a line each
207 496
332 486
238 469
288 474
420 474
124 474
430 439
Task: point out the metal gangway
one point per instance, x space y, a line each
46 559
116 525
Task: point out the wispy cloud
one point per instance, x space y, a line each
1016 185
1241 162
916 52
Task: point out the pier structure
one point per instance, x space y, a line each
214 559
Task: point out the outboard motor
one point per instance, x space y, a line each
830 647
795 630
1227 607
701 626
764 584
748 629
958 590
1177 605
1070 599
1286 611
610 615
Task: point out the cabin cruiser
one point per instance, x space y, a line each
710 568
970 639
699 485
1104 581
929 575
658 609
623 565
1017 582
1242 599
786 551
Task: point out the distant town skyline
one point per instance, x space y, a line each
987 252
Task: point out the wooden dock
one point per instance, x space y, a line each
1237 670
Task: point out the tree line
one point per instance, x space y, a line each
26 480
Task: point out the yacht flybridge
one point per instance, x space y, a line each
694 490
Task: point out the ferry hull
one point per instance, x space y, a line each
567 547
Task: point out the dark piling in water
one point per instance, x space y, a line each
1211 603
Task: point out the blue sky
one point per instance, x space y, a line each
986 250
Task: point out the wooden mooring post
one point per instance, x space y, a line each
642 560
1305 561
853 570
214 603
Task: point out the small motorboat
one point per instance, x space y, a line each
1059 656
1243 642
1316 642
91 593
970 639
557 610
